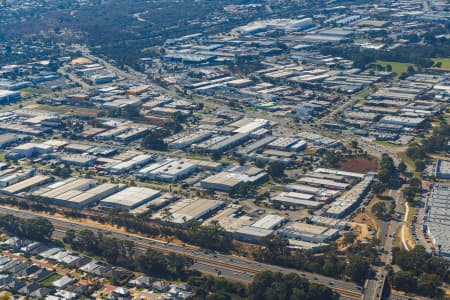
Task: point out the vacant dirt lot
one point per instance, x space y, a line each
359 164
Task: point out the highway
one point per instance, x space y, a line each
228 266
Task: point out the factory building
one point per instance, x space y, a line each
133 163
7 96
350 200
190 139
296 200
270 222
309 233
442 170
168 170
185 210
78 160
61 192
130 198
27 184
437 224
32 149
250 234
231 178
8 139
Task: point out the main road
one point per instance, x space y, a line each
229 266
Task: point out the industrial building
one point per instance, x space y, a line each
185 210
7 139
270 222
309 233
133 163
296 200
130 198
250 234
190 139
27 184
231 178
437 219
442 170
348 202
61 192
79 160
230 218
32 149
168 170
89 197
7 96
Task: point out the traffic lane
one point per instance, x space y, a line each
167 246
222 272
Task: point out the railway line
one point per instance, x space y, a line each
244 269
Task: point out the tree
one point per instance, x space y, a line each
275 286
420 165
379 209
402 167
387 171
216 155
411 70
154 141
404 281
349 238
429 285
378 187
357 268
276 169
388 68
354 144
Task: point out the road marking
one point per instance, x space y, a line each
405 219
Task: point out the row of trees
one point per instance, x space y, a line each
438 141
421 273
276 286
38 229
122 253
212 237
353 264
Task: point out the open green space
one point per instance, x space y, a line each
49 280
445 62
397 67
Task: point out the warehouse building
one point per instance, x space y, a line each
27 184
230 218
185 210
77 148
350 200
9 139
296 200
403 121
270 222
442 169
229 142
9 96
326 183
168 170
309 233
130 198
135 162
32 149
60 192
78 160
190 139
231 178
437 223
81 200
250 234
